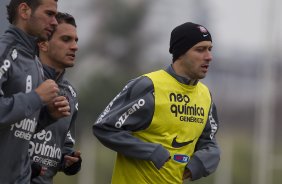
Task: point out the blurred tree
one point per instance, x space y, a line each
116 38
115 41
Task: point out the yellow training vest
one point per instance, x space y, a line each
181 113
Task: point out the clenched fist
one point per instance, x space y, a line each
47 91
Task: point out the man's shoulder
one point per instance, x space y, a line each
204 87
201 84
7 43
140 85
140 82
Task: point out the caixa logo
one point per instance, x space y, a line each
181 158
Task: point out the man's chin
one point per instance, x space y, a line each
69 65
43 38
202 76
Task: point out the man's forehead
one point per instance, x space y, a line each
50 5
65 29
203 44
48 1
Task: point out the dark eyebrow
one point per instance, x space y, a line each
50 12
69 37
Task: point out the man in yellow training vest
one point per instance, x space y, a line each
163 124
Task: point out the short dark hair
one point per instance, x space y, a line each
65 18
14 4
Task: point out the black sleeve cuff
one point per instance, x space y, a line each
35 170
74 168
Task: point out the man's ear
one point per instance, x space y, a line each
24 11
43 46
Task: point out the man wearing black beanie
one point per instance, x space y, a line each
163 124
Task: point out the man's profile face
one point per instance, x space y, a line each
62 46
195 62
42 21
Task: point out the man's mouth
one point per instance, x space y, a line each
205 67
72 56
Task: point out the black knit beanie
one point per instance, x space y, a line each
185 36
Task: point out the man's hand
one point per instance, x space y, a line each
70 160
37 170
187 174
59 107
43 171
47 91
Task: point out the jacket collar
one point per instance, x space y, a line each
50 73
190 82
28 42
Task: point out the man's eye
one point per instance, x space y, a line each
200 49
50 14
66 39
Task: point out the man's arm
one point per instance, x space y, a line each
207 153
15 105
71 159
131 110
